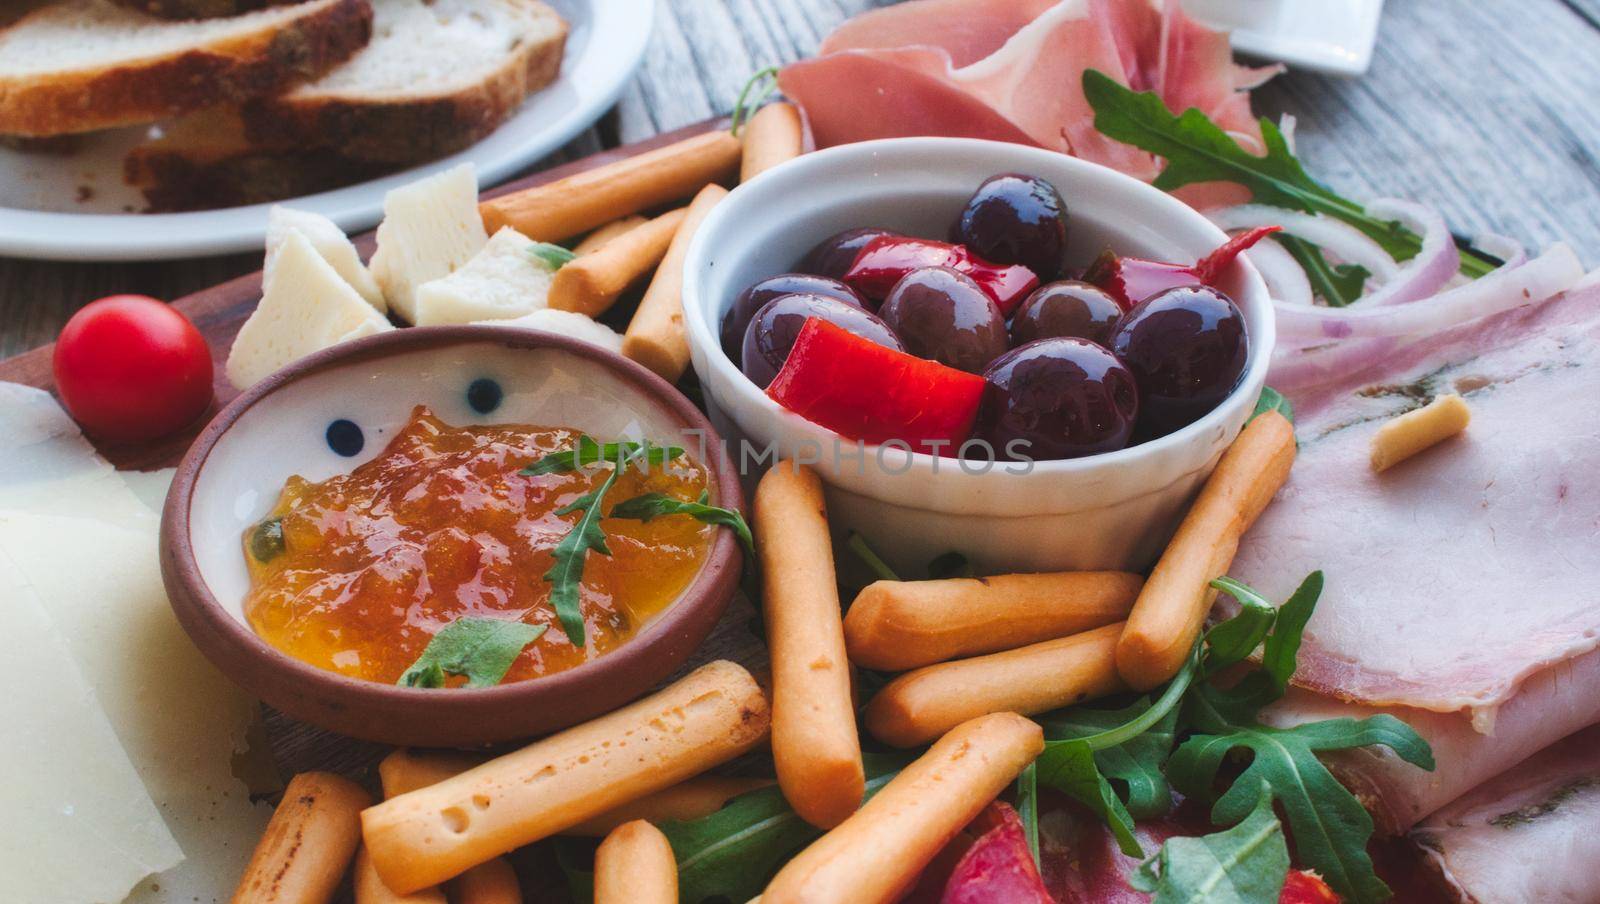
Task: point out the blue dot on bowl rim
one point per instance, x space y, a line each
345 438
485 395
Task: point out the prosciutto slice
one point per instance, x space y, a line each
1529 836
1011 70
1454 578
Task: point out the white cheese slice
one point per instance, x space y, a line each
306 308
501 281
46 466
565 323
150 486
180 721
78 825
329 241
430 228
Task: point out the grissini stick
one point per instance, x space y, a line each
308 844
814 741
877 854
772 136
1419 429
1171 609
594 241
919 706
593 282
494 882
369 888
898 625
405 770
656 336
427 836
635 865
567 207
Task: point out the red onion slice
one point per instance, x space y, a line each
1286 282
1343 240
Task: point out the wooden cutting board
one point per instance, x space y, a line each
219 312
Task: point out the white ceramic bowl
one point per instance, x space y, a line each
1106 511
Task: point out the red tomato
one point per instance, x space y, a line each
129 367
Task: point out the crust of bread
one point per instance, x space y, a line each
416 128
224 71
199 9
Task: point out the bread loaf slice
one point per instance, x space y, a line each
437 77
81 65
199 9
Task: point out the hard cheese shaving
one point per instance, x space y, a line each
46 466
78 824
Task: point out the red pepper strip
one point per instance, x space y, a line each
1131 280
886 259
998 868
1306 888
861 390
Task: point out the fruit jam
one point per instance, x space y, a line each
357 573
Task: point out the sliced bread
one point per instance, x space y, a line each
81 65
199 9
437 77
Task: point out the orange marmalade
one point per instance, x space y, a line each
357 573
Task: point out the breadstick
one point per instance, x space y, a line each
435 833
900 625
407 770
814 742
494 882
369 888
635 865
593 282
656 336
597 239
697 797
1172 607
308 842
876 855
567 207
922 705
773 136
1417 430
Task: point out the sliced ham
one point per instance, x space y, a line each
1458 576
1529 836
1012 70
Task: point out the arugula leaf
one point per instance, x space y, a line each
1337 285
858 545
764 83
1137 762
572 552
1197 150
482 649
653 505
1234 640
1273 400
1069 767
731 853
1246 864
589 452
551 257
1028 807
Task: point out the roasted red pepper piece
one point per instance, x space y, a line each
887 258
1306 888
862 390
1131 280
998 868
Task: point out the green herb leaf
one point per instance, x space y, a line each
1336 285
482 649
1028 807
551 257
732 853
1246 864
858 545
1197 150
1272 400
1234 640
589 452
1137 762
764 83
1069 767
654 505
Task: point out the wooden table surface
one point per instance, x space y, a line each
1486 109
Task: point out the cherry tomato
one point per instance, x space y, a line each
129 367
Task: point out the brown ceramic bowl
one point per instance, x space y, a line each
233 473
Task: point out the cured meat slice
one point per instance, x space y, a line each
1456 577
968 31
1527 836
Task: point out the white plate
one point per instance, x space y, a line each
41 216
1332 36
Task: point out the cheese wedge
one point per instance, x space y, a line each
501 281
307 307
566 323
47 467
430 228
79 826
329 241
